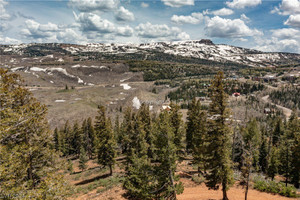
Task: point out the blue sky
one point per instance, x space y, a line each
260 24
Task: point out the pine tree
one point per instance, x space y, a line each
219 162
88 136
29 162
273 163
293 129
127 131
57 140
251 136
278 132
139 172
193 113
105 140
144 115
77 139
199 137
263 154
83 159
167 188
177 124
67 139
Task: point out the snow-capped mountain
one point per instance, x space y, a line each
202 49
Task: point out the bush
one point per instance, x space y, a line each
274 187
198 179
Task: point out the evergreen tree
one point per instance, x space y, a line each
127 131
293 129
105 140
67 139
88 135
144 115
167 188
70 166
77 139
83 159
57 140
263 154
273 163
219 162
29 163
251 136
177 124
193 113
278 132
139 172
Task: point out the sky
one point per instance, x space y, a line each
267 25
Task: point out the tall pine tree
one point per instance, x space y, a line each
29 162
219 160
105 140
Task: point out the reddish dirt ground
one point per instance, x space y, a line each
235 193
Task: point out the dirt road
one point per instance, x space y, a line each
286 111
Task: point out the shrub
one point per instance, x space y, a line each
198 179
274 187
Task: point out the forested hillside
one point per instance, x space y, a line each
141 151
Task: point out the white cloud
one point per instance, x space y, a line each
8 40
227 28
194 18
286 33
223 12
245 18
36 30
293 20
157 31
3 14
288 7
70 36
144 5
178 3
241 4
276 45
92 22
91 5
124 15
125 31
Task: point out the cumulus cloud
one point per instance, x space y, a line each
223 12
70 36
286 33
157 31
293 20
282 40
93 22
227 28
36 30
8 40
277 45
288 7
92 5
126 31
93 26
178 3
144 5
124 15
245 18
194 18
241 4
3 14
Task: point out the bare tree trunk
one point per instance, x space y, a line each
110 170
172 184
247 185
224 191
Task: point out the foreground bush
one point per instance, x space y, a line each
274 187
